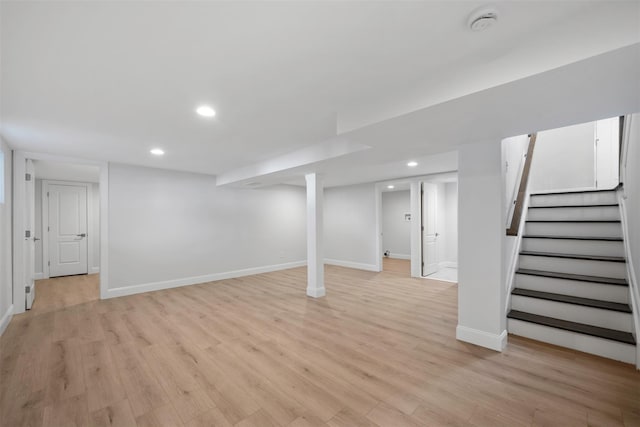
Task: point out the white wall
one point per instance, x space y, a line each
93 229
6 286
554 149
481 293
513 157
396 232
171 228
631 191
451 224
349 226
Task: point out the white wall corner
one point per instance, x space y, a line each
195 280
495 342
351 264
316 292
94 270
6 319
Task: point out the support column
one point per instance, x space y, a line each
315 230
481 233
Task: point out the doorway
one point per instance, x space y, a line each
396 228
417 231
60 209
439 228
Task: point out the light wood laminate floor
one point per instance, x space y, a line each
379 350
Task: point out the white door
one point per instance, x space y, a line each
67 229
607 153
429 234
29 242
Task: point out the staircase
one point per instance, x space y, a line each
571 287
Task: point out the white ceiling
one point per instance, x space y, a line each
110 80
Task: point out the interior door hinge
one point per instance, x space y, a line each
49 263
47 194
27 177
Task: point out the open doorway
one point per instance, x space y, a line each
439 228
396 228
61 240
418 226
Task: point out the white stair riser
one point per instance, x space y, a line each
574 229
574 313
573 288
574 247
615 270
574 199
608 213
581 342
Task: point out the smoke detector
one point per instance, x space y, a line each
483 19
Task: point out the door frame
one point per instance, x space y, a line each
45 220
19 193
416 213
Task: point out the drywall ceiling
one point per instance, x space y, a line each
111 80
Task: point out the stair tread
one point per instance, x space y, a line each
577 192
607 239
572 256
575 220
604 205
578 277
587 302
610 334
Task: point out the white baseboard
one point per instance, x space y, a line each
399 256
482 338
6 318
94 270
38 276
186 281
448 264
351 264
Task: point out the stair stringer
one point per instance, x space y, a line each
634 292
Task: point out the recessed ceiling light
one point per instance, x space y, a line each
157 152
412 164
390 187
205 111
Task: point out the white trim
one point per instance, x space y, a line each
94 270
448 264
484 339
6 319
399 256
19 158
38 276
186 281
631 274
351 264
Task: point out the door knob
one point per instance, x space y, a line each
82 235
35 239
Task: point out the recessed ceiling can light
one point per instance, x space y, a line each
412 164
157 152
483 19
390 187
205 111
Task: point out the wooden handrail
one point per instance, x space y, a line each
522 189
